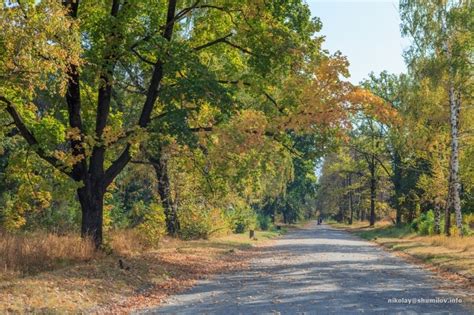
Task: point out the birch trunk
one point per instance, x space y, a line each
454 106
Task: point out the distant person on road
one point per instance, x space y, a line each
320 220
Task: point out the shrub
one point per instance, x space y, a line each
200 223
466 231
469 223
264 222
242 219
424 224
153 226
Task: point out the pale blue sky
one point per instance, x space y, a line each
367 32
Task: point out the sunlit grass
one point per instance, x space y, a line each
40 251
454 253
54 274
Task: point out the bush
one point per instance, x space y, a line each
424 224
466 231
264 222
153 226
200 223
242 219
469 223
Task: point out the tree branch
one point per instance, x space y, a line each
211 43
375 156
242 49
117 166
30 138
105 95
268 96
73 100
145 60
199 129
152 95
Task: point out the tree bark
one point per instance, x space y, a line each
340 216
351 206
437 218
91 198
372 190
454 105
94 178
160 164
397 185
447 210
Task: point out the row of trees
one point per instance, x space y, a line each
200 108
424 161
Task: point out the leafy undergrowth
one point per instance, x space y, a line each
99 284
448 254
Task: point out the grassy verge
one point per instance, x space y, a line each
100 283
447 254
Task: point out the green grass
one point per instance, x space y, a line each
392 231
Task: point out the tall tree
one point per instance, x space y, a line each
108 71
442 51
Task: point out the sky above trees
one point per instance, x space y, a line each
367 32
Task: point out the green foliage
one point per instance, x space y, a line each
12 218
201 223
395 231
241 218
467 225
247 105
425 223
264 222
153 228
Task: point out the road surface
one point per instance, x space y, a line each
318 270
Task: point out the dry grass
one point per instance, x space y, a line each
39 251
448 254
451 254
462 244
127 242
95 283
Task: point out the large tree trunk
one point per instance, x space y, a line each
372 190
160 164
94 178
91 198
454 106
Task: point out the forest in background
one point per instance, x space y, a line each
418 171
186 118
198 118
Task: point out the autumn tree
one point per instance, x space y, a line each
105 73
442 52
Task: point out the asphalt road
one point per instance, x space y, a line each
319 270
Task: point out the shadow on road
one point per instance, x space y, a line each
317 270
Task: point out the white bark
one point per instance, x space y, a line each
437 218
454 105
